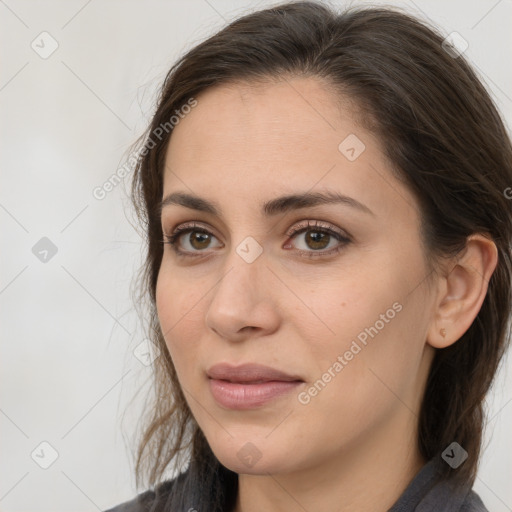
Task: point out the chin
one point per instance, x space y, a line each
253 455
254 467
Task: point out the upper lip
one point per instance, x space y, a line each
249 373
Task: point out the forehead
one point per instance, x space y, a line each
261 117
259 140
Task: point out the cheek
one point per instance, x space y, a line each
369 318
355 385
179 313
343 306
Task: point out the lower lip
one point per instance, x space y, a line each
235 395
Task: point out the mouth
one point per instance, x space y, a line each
249 386
249 374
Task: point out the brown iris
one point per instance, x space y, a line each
199 239
317 239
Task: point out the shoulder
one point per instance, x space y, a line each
148 501
205 487
431 491
473 503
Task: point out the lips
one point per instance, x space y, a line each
249 374
249 386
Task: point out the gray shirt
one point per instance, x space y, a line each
425 493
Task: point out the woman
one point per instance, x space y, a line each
328 267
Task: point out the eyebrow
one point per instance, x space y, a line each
270 208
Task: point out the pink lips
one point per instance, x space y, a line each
249 385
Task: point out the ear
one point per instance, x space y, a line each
462 291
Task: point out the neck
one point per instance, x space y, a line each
366 478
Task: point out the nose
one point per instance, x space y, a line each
244 300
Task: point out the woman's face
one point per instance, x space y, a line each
342 307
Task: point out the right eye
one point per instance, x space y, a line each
197 241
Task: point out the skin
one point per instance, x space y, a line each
353 446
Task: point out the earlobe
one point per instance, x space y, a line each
463 291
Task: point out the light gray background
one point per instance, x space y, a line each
68 326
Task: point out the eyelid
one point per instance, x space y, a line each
183 227
189 225
309 224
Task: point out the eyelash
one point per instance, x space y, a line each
308 226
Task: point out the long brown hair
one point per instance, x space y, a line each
447 142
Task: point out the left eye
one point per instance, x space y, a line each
317 239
